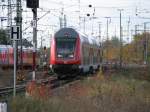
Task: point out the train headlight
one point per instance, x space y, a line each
71 56
59 56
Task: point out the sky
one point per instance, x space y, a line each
134 12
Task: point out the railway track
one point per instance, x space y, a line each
9 90
20 87
59 88
55 84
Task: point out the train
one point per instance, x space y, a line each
74 52
71 52
7 57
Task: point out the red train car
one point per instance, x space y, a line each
73 52
4 55
7 57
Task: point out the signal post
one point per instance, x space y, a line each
34 4
15 36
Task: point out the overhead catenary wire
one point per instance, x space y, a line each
37 20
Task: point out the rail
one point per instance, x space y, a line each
8 90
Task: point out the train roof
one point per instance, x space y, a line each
70 32
66 32
5 46
10 46
88 39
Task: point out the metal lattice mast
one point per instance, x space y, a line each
121 48
9 21
18 20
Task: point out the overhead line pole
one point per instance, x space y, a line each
34 10
15 68
107 42
136 41
100 33
120 56
84 25
19 23
62 18
37 20
107 39
100 42
9 14
93 21
128 29
15 45
34 4
145 43
18 20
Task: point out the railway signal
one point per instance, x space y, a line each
33 3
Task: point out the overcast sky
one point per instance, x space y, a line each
137 11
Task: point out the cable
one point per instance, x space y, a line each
37 20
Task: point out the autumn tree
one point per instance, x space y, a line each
134 51
111 49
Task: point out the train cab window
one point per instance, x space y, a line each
65 47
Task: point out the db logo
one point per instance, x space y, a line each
65 62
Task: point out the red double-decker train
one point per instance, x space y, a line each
73 52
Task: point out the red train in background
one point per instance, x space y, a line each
73 52
7 56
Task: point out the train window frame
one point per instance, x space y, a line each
70 56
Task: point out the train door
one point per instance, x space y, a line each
91 56
11 56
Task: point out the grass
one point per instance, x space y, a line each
123 91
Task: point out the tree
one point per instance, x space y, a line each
134 51
115 41
4 39
25 43
111 49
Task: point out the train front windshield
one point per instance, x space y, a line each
65 47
